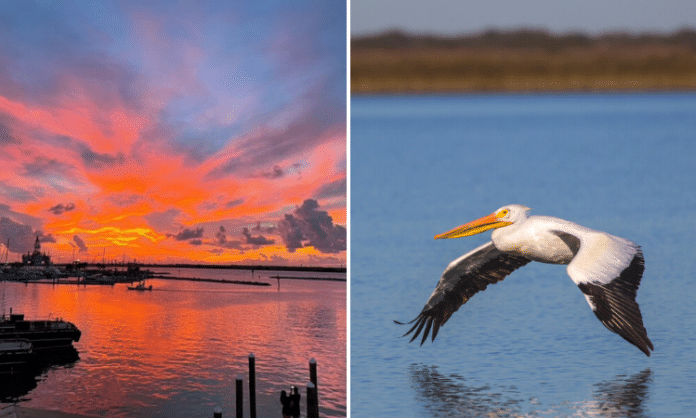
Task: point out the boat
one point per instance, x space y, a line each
140 286
15 355
42 334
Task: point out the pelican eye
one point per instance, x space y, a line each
502 213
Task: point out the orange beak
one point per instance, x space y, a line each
475 227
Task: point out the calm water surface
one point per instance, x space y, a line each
176 351
529 346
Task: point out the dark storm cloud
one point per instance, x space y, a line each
93 159
333 189
309 227
259 228
222 241
15 193
221 236
187 234
60 208
291 232
255 240
20 236
19 217
275 173
196 242
233 203
44 167
5 135
79 244
47 238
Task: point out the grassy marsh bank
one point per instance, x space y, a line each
523 61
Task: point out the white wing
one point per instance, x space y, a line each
608 270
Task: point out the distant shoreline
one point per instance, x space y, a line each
522 62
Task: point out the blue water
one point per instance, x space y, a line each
530 345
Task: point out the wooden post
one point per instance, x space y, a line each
313 371
312 405
313 379
252 385
217 412
240 397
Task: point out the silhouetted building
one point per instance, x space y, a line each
36 258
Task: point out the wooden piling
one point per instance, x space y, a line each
240 397
313 371
312 404
217 412
313 379
252 386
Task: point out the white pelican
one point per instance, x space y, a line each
606 268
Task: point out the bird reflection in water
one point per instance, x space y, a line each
622 396
15 386
447 396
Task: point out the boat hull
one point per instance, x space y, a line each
42 334
15 355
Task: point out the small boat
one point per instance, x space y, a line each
140 286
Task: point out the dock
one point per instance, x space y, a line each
196 279
335 279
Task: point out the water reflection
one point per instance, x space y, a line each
14 387
445 396
622 396
176 350
452 396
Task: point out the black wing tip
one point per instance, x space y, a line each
422 323
646 346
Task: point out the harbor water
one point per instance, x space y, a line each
176 351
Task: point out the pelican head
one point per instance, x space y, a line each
507 215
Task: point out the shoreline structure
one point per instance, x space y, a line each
523 61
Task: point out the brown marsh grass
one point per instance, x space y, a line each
523 61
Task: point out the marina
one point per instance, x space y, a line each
175 351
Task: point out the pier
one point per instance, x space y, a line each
335 279
311 396
196 279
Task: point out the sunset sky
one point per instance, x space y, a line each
209 132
